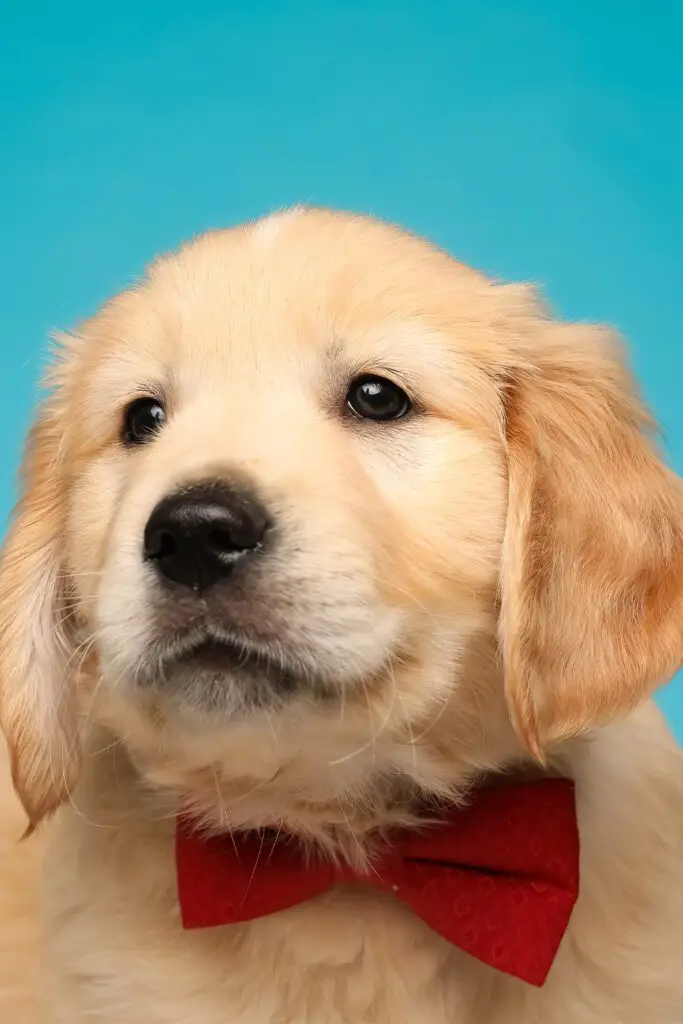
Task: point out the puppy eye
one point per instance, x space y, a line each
376 398
142 420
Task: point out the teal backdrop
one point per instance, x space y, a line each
535 139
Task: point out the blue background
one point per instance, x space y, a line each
538 140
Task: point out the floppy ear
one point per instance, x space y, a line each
592 570
36 700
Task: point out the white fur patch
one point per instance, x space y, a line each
268 228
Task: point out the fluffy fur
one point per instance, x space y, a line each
493 584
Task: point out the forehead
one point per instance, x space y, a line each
305 295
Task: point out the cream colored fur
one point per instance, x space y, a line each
498 579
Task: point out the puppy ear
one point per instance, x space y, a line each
592 568
36 700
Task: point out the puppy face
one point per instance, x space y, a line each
299 495
317 495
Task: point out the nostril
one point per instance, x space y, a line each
223 541
233 537
160 544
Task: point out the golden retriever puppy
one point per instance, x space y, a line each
320 530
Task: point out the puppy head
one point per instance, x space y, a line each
291 498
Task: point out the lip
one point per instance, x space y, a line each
216 655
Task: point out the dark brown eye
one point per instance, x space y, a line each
143 419
376 398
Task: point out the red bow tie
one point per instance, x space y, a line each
498 879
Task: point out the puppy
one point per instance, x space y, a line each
320 531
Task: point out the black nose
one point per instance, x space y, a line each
194 538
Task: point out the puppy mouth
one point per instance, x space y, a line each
207 667
221 655
215 657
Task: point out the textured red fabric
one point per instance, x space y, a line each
498 878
